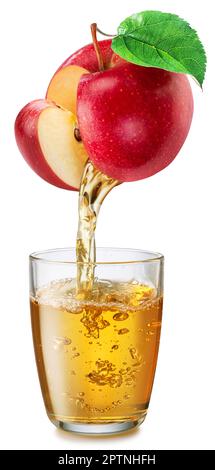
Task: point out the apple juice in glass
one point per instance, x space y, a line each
110 116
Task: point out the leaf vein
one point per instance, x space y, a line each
148 25
160 51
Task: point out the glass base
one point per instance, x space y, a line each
102 429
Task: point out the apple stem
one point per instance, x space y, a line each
105 34
93 28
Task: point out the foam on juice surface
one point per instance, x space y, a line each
63 294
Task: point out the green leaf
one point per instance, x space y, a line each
163 40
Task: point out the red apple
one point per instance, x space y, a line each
133 120
45 137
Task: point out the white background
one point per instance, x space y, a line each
172 212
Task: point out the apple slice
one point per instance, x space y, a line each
45 137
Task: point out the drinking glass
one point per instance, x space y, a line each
96 351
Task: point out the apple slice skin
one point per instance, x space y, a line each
133 120
26 133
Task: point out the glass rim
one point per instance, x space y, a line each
39 256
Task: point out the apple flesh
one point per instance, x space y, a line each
45 137
133 120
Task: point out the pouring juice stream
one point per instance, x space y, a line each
94 188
